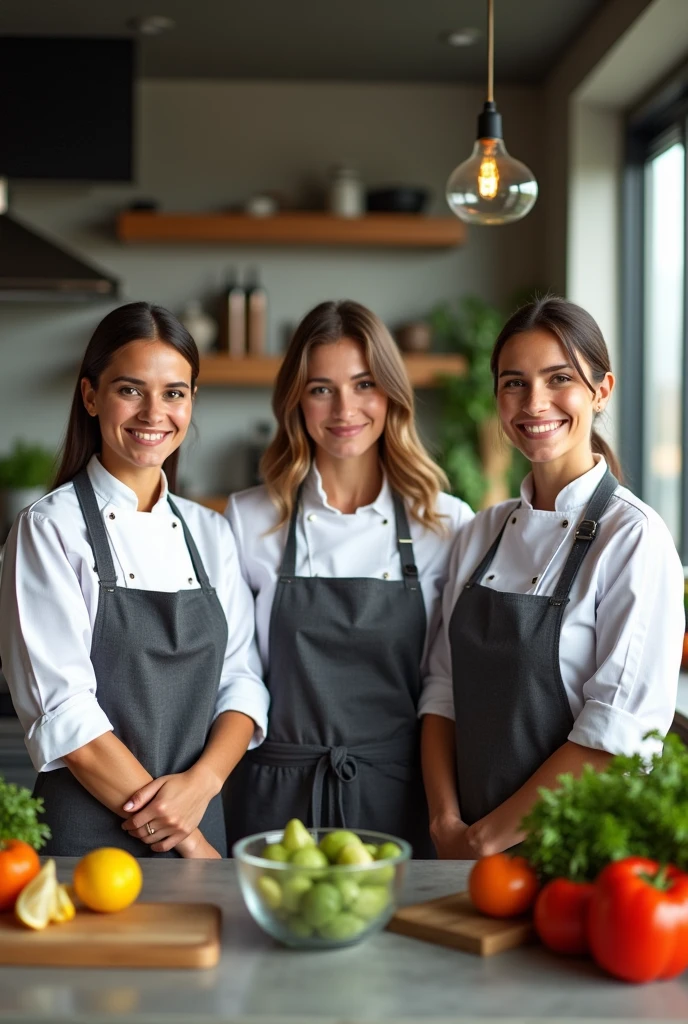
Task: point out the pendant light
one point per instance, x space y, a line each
491 187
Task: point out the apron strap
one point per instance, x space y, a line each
586 532
409 569
288 567
492 551
196 561
97 534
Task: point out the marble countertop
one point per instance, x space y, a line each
388 978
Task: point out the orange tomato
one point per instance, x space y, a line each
19 863
502 886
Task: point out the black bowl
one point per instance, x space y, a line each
402 199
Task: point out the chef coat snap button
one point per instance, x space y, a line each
491 577
514 519
131 576
312 517
385 575
190 579
565 523
534 579
174 526
111 516
385 522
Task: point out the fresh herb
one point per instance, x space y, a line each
19 815
27 465
621 811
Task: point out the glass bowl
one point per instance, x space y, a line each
321 907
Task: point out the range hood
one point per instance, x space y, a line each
32 269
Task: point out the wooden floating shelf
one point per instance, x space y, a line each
403 230
260 372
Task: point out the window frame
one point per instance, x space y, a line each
657 123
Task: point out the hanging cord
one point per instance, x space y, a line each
490 51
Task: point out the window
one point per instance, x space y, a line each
654 381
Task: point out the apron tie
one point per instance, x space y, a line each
338 767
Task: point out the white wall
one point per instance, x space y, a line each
206 145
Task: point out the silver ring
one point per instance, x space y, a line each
151 831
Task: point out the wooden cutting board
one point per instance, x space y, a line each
454 921
143 935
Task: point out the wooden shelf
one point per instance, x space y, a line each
402 230
221 371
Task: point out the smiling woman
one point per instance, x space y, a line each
126 629
562 621
345 549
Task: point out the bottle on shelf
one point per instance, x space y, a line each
256 315
233 320
259 440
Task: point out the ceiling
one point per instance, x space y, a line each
350 40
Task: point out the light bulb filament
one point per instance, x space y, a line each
488 178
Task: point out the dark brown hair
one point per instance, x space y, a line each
136 321
411 472
582 338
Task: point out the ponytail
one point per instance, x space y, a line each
600 447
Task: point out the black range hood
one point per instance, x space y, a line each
32 269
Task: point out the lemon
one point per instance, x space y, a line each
37 902
107 879
64 908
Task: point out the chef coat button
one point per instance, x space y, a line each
534 579
174 526
190 579
385 575
312 517
131 576
385 522
491 577
111 516
514 519
565 523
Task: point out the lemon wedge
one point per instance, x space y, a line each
37 902
64 908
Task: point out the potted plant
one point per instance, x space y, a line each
482 467
25 475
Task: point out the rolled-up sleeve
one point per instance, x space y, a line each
639 632
241 686
45 643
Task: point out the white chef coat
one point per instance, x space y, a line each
49 598
622 631
333 544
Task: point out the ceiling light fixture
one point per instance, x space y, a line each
491 187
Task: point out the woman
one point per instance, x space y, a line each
126 629
345 549
563 616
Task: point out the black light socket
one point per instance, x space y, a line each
490 122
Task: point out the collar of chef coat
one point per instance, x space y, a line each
575 495
113 492
314 499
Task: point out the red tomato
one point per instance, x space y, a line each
638 920
19 863
502 886
561 915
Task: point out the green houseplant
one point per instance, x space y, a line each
25 474
482 467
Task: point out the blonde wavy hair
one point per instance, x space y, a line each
411 472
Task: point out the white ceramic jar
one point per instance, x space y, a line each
347 198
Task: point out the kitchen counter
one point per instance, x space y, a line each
388 978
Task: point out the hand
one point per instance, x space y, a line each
196 847
172 806
451 837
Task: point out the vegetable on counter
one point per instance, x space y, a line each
560 916
625 810
638 920
19 816
502 886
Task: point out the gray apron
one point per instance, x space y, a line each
344 680
157 659
511 707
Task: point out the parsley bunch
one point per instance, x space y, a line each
625 810
19 816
